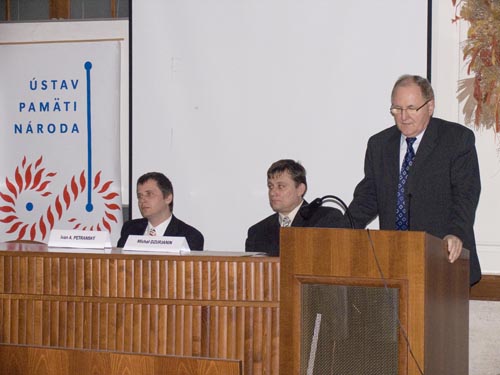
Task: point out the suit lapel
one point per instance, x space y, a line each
273 232
391 160
298 220
425 149
172 228
390 177
140 227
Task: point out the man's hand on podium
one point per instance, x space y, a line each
454 247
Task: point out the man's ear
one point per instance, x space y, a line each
302 189
431 107
169 198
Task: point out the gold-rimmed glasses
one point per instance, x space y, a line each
410 110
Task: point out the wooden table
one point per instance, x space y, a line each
223 307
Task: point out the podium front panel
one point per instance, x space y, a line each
398 297
349 329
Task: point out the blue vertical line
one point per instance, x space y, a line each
89 207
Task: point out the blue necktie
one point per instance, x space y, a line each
401 210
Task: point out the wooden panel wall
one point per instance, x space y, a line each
15 360
219 307
488 289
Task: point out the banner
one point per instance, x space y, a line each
59 142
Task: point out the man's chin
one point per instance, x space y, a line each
275 208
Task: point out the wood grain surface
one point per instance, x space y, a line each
15 360
201 306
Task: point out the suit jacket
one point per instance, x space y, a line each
176 228
442 190
265 235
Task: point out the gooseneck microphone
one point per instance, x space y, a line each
308 210
311 208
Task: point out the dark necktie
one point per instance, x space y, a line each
401 209
152 232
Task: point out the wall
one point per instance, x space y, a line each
448 68
222 89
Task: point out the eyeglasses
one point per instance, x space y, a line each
410 110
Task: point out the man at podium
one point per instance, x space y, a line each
421 174
155 196
287 185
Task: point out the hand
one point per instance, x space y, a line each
454 247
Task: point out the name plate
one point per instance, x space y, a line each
81 239
156 243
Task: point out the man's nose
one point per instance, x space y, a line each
404 114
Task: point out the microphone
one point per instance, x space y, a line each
307 211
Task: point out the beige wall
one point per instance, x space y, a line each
448 68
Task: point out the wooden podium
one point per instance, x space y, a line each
350 298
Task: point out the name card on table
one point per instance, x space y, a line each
81 239
167 244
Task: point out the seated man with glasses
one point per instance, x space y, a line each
156 202
421 174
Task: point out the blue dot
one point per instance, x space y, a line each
89 207
29 206
88 65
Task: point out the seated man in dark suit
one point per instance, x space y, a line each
287 184
156 201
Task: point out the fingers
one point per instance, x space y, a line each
454 247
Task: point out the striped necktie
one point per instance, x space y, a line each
152 232
286 222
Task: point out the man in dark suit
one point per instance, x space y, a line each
156 202
287 184
439 190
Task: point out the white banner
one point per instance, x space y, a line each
59 142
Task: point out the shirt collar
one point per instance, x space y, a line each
292 214
402 141
160 228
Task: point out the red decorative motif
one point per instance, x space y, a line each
104 223
34 178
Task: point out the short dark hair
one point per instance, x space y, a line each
163 183
423 83
295 169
